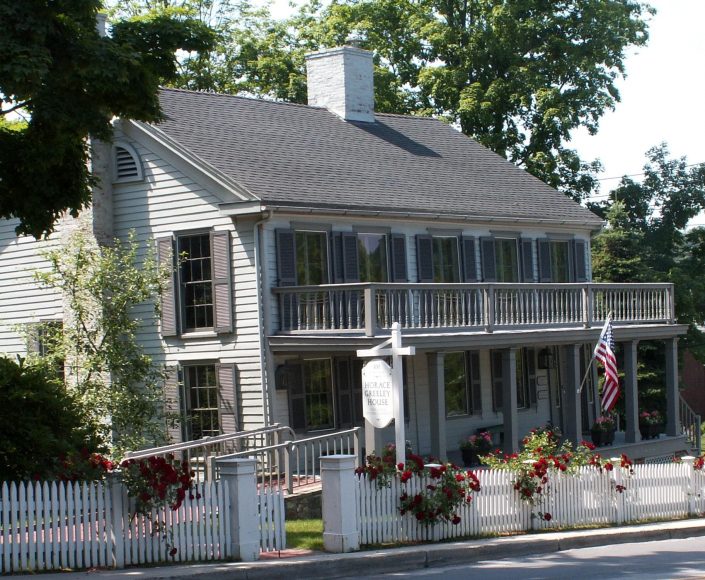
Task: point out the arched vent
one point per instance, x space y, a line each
127 166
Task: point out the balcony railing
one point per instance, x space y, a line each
370 308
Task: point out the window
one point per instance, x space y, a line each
318 394
525 378
446 264
311 258
201 399
372 257
506 259
196 281
560 263
563 260
461 373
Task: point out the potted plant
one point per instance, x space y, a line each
650 424
475 446
602 431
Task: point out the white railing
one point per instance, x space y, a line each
201 453
691 424
58 525
591 497
295 463
370 308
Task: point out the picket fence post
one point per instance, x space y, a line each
341 530
244 519
118 512
689 460
616 475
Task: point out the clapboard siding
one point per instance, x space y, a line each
22 300
170 202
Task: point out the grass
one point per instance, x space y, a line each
304 534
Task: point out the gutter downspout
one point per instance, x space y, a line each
263 317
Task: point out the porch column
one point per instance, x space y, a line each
509 400
673 421
631 393
437 395
573 415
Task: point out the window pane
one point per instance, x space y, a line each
202 400
311 258
456 384
446 264
559 262
196 283
507 260
372 251
318 386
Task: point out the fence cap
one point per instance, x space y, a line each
236 465
341 461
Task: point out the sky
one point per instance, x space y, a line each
663 95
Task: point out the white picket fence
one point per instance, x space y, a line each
56 525
653 492
272 526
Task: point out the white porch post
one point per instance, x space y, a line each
509 400
436 366
631 392
573 415
340 526
673 423
244 519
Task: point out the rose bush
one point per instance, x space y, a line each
157 482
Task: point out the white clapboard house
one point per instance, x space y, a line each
308 230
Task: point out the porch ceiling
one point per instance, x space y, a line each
443 340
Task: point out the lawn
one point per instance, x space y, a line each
304 534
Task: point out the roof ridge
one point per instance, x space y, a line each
231 96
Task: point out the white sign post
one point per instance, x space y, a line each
376 379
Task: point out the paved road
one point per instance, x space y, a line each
662 560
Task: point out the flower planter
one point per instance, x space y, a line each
602 437
471 457
650 430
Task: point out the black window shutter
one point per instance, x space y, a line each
293 372
475 386
173 410
398 254
286 257
351 266
165 251
580 259
222 282
489 267
343 384
227 397
497 380
469 261
424 258
531 374
527 260
336 251
544 246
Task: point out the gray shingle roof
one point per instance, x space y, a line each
298 155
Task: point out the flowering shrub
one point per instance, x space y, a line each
83 466
650 418
380 469
156 482
449 487
481 443
699 463
603 423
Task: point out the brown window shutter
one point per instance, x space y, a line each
222 282
173 408
227 394
165 251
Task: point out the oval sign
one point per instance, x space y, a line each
377 393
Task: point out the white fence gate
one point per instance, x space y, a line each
272 527
589 497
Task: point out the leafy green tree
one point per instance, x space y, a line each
39 421
116 382
68 82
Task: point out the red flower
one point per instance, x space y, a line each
172 552
547 517
455 520
406 476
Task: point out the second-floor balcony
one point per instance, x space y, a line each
372 308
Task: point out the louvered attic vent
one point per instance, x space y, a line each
127 166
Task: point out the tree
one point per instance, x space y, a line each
68 82
39 421
115 381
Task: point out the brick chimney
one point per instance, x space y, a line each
340 79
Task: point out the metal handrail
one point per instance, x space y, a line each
691 425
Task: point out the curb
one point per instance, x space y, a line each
408 558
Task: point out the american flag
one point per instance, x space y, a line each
604 352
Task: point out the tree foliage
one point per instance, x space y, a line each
69 82
119 385
39 421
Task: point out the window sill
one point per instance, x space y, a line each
198 334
